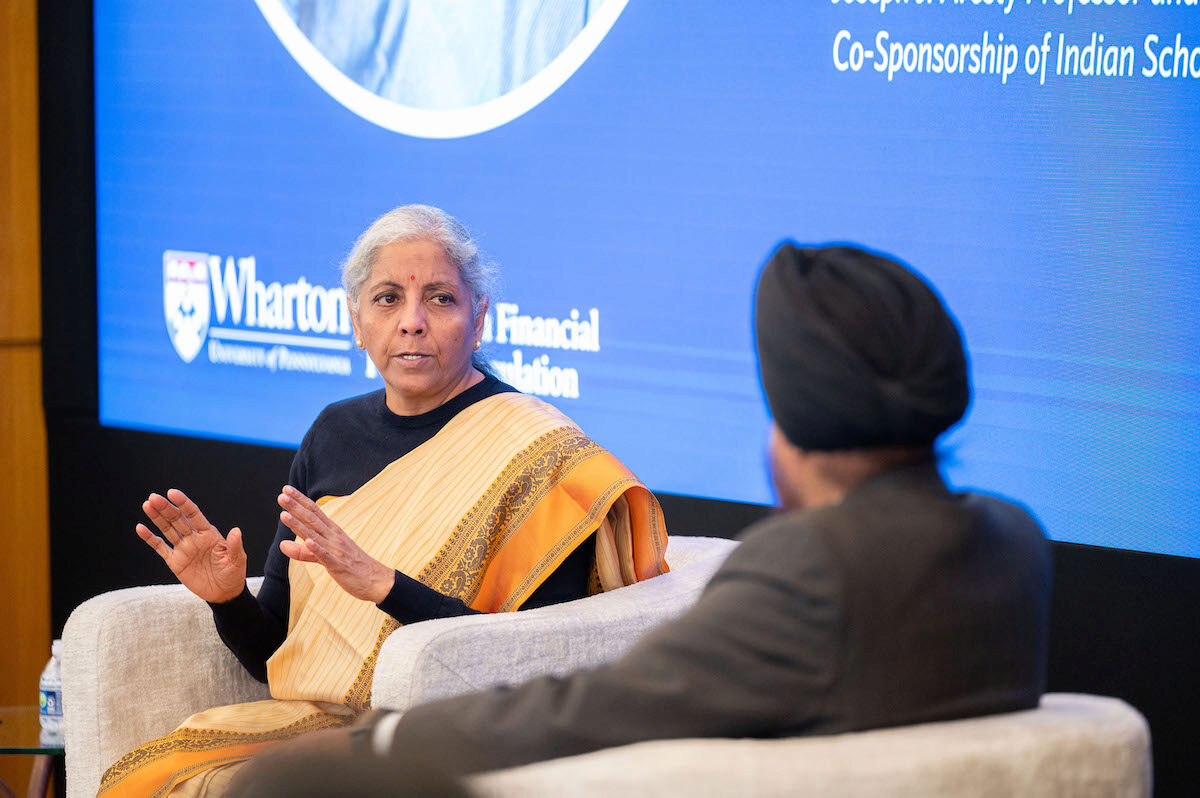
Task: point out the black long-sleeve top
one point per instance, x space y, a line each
350 442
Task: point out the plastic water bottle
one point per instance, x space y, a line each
50 695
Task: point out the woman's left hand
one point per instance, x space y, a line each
320 540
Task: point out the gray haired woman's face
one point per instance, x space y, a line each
415 321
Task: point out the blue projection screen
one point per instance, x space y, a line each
629 165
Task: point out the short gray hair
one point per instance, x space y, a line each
416 223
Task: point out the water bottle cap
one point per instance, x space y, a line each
56 648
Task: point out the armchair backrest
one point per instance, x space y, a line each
436 659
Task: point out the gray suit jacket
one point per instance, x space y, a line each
904 603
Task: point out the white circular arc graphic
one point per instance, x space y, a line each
446 123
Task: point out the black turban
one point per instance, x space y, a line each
856 351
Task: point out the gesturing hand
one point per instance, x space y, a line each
320 540
208 564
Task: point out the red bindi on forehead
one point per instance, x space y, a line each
412 276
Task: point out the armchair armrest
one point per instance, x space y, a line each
436 659
135 664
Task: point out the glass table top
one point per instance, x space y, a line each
21 733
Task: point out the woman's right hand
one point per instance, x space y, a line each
208 564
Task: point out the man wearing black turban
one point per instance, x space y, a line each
856 351
880 598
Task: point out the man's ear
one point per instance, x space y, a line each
789 465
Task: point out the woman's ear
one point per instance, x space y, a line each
358 339
481 317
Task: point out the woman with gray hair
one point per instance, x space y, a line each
447 492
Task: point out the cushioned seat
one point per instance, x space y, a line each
1073 746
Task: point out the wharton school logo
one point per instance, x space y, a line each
240 320
186 301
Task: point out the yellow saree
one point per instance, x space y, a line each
484 511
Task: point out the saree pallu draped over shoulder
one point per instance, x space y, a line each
484 511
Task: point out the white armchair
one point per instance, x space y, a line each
136 662
1072 746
